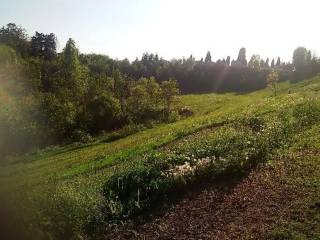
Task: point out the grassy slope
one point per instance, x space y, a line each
76 175
278 200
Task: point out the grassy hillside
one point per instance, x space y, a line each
73 191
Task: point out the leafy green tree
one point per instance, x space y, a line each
170 90
120 88
119 84
208 57
278 62
15 37
97 63
70 59
103 112
58 115
255 62
44 60
144 102
74 75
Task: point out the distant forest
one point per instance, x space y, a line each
48 97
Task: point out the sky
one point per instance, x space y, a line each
173 28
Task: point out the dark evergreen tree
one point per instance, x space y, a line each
272 63
300 62
242 57
228 60
208 57
43 45
267 63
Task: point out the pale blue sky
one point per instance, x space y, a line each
173 28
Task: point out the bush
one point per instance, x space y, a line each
81 136
185 112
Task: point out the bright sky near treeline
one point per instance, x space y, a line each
173 28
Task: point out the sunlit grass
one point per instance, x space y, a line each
77 173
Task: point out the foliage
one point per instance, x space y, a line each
43 45
169 91
255 62
71 96
15 37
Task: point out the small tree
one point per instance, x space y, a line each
272 81
169 91
255 62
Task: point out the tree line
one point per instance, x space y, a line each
49 97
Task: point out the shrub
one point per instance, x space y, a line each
81 136
307 113
185 112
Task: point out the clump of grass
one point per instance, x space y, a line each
285 234
123 132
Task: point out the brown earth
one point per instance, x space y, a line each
251 208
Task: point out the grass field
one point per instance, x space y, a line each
60 190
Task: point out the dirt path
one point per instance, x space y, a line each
267 198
